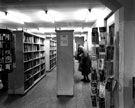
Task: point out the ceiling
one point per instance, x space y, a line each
66 13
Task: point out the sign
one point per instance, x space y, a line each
64 40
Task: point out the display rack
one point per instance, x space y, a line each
51 56
104 51
99 40
110 81
94 75
30 62
7 51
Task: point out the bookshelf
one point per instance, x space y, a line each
51 56
30 62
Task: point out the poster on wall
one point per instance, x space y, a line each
64 40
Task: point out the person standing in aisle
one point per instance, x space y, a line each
77 53
84 64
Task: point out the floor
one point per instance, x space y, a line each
44 95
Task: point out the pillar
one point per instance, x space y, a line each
65 63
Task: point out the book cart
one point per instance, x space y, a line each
30 62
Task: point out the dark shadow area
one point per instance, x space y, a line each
11 98
77 79
3 95
64 99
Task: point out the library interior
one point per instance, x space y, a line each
67 54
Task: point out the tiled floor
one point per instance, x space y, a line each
43 95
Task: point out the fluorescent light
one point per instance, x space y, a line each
2 14
80 14
48 14
97 13
14 19
20 28
33 30
65 15
47 30
52 35
90 16
44 17
5 16
57 15
20 16
42 30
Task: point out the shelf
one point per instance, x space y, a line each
51 52
27 43
30 62
35 82
36 73
28 79
52 58
51 68
31 51
32 59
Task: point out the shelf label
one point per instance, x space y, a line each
64 40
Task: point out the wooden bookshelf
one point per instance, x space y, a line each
51 56
30 62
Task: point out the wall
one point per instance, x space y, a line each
79 40
126 28
99 22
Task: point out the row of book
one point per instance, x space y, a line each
30 56
42 60
28 48
34 63
52 44
33 71
28 39
52 65
52 56
31 39
43 66
31 78
52 52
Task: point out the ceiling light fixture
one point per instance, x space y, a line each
51 18
20 16
13 18
6 16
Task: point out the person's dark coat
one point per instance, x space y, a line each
85 63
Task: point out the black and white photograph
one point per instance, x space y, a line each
67 53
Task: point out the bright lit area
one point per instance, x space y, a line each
67 53
48 20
